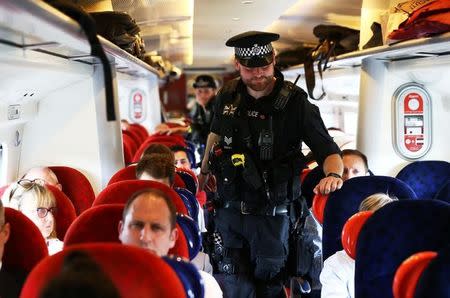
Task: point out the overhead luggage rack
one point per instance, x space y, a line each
36 26
411 49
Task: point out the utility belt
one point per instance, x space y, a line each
247 209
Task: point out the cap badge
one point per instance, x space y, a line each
256 50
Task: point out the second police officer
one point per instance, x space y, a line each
255 144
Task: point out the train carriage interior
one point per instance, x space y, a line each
88 87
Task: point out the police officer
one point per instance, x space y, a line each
205 92
255 144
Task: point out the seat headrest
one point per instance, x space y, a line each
345 202
189 201
134 271
120 192
189 276
97 224
76 186
26 245
181 248
189 178
351 230
425 177
443 194
168 141
127 173
408 273
65 214
433 281
392 234
318 206
192 234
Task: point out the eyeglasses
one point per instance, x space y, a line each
27 184
42 211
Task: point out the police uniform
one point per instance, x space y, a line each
257 166
202 116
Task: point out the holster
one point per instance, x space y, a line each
300 252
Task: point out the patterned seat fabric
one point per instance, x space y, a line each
342 204
425 177
391 235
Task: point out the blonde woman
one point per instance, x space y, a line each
34 200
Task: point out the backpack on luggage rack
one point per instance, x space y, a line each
121 29
333 40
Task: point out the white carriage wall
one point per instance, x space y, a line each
70 127
379 81
151 108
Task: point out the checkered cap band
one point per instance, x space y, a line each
256 50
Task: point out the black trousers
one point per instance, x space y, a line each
257 246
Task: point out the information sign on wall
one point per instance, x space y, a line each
412 114
137 106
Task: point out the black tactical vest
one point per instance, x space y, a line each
280 175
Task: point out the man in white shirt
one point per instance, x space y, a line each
149 221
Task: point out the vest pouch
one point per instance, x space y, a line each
227 184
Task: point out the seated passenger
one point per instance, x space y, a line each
43 173
156 167
38 203
149 221
181 157
338 273
182 161
159 168
80 277
355 164
10 282
159 149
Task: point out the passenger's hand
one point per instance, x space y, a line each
328 185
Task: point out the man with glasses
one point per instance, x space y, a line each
10 282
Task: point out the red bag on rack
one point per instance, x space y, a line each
428 20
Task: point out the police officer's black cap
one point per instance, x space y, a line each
204 81
253 48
